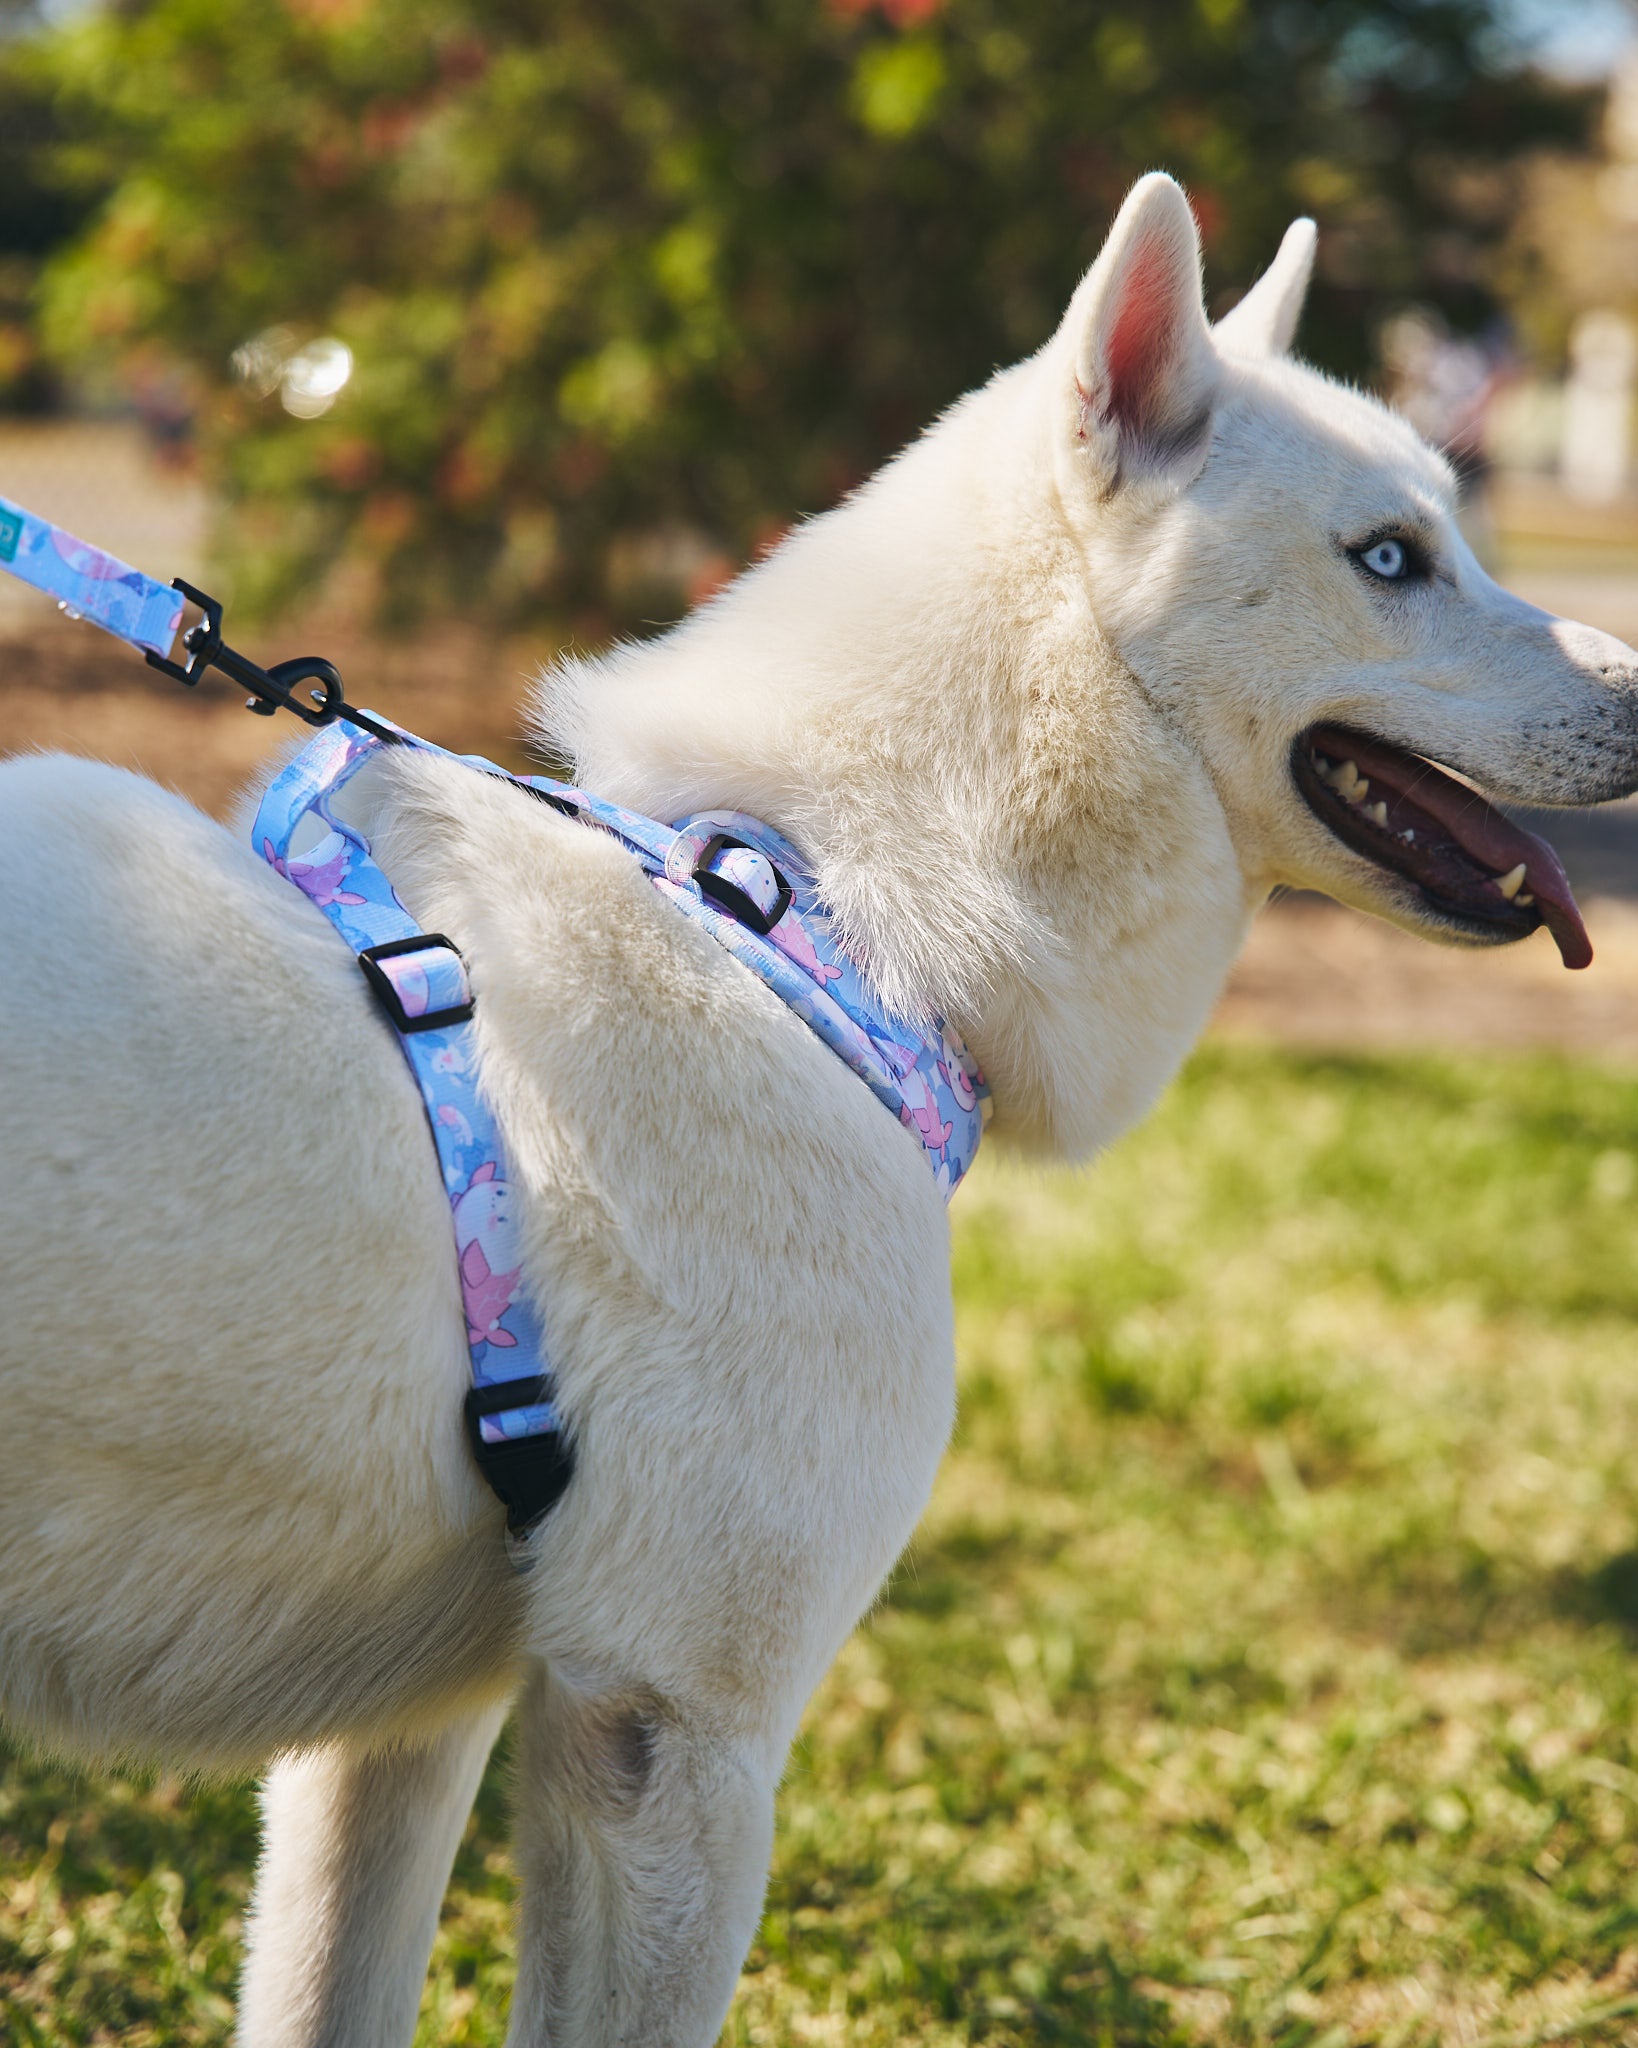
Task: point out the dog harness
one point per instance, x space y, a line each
740 879
745 883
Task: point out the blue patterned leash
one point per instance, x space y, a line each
101 589
419 978
89 584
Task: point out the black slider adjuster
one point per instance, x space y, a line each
527 1474
391 996
728 895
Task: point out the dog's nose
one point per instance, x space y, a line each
1597 654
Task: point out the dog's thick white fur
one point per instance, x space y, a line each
1029 700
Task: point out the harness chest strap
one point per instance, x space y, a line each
513 1425
746 884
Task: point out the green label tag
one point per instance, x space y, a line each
11 532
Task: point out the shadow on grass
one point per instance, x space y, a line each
1427 1594
1606 1594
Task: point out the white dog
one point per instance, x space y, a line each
1152 622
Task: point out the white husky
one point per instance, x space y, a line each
1154 621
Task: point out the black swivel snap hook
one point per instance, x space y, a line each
271 689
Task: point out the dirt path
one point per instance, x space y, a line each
1316 975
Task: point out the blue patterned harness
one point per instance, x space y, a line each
745 883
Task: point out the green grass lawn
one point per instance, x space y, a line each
1266 1669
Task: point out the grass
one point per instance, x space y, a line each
1263 1671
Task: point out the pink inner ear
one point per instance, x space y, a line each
1141 340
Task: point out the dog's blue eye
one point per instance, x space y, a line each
1385 558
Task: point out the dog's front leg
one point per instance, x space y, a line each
357 1844
643 1838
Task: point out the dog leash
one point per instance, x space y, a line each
748 885
98 587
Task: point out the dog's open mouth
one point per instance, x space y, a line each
1475 867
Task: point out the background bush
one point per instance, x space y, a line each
630 285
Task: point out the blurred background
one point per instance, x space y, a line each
448 333
1264 1670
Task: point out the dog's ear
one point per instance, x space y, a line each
1265 321
1144 366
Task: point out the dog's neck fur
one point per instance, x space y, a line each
915 688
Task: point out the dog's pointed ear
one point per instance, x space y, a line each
1145 369
1265 321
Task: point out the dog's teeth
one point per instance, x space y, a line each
1409 836
1512 882
1344 779
1524 900
1379 813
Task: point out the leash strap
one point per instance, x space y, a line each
87 583
420 980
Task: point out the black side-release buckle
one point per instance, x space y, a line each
730 896
527 1474
393 1003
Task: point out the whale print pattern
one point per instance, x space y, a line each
87 583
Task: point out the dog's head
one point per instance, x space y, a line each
1277 559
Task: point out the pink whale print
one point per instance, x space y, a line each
955 1076
790 935
320 881
487 1246
920 1113
87 561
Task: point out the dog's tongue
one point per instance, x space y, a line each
1484 835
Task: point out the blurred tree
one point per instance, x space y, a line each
628 285
1573 241
37 214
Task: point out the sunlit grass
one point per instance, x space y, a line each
1263 1671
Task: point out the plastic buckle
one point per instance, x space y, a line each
729 896
527 1474
387 992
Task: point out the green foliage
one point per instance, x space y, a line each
631 285
1262 1675
37 214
